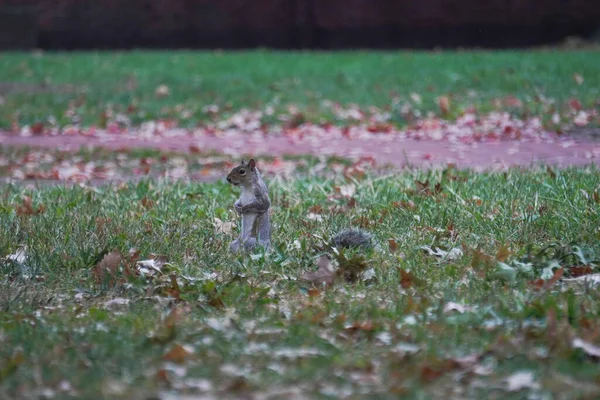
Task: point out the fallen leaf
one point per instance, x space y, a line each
544 284
153 265
315 217
223 227
27 207
521 380
18 256
592 279
451 306
178 354
116 304
107 269
451 255
444 104
347 190
578 78
416 98
588 348
503 253
393 245
325 275
406 279
580 271
162 91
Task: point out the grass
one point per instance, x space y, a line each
217 324
52 88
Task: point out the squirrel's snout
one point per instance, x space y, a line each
229 179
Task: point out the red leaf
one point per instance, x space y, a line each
580 270
406 279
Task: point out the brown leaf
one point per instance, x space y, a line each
162 375
393 245
444 104
174 290
406 279
107 270
542 284
177 354
316 209
422 187
429 374
325 275
27 207
147 203
580 270
502 253
409 205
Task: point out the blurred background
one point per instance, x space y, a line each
293 24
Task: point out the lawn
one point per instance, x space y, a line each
80 317
481 285
192 87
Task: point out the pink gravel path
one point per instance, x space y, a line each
385 149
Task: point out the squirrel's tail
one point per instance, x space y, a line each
353 239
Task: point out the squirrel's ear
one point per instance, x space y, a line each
252 164
243 161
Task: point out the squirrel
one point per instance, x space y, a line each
253 205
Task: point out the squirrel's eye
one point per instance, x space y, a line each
242 171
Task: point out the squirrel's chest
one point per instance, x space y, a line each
247 196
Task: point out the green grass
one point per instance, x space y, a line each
254 327
40 88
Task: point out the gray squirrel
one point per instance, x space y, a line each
253 205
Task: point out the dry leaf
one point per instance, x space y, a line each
178 354
393 245
152 265
451 306
542 284
27 207
580 271
444 104
521 380
406 279
162 91
347 190
589 349
451 255
106 271
116 304
592 279
502 253
223 227
325 275
18 256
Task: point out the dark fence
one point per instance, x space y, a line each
85 24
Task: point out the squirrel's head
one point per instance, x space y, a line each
242 173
